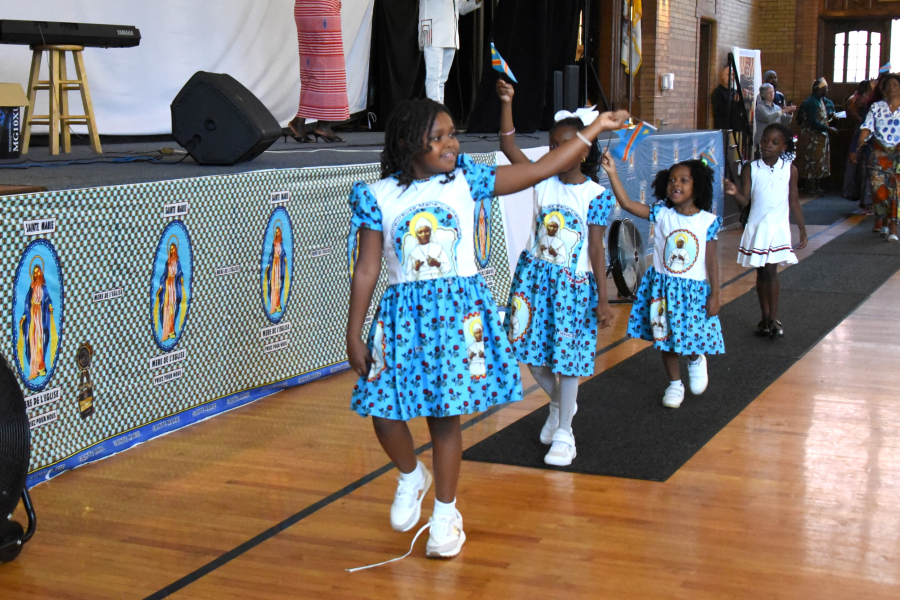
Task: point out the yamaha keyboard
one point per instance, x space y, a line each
77 34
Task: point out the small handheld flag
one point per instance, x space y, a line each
629 138
499 64
709 156
885 68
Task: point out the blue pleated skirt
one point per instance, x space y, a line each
440 350
551 319
671 313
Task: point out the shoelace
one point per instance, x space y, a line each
406 490
418 533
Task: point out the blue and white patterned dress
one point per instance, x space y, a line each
437 339
552 320
670 309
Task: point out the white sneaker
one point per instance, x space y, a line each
446 536
563 449
892 237
407 507
551 425
697 376
673 396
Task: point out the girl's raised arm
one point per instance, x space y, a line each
507 129
517 177
635 208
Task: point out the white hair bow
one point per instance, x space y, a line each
586 115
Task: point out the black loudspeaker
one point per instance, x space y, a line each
570 88
220 122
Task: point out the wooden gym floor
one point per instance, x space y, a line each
797 497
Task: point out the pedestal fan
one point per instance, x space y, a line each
627 258
15 454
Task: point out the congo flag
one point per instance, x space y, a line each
499 64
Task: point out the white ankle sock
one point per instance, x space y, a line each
676 383
442 509
415 475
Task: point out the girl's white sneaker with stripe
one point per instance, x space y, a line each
411 489
446 535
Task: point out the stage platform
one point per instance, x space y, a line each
143 161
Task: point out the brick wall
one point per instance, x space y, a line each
784 30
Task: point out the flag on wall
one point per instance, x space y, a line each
499 64
630 137
631 36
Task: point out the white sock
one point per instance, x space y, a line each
568 394
415 476
444 510
676 383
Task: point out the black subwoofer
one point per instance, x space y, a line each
220 122
15 454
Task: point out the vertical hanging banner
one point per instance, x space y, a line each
749 78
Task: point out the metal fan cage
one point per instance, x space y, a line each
628 259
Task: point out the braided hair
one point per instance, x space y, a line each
702 176
408 125
591 164
788 139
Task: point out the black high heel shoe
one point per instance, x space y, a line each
302 137
776 330
333 138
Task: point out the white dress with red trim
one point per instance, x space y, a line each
767 237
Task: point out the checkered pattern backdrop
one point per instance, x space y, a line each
106 238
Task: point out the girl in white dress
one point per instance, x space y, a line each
770 186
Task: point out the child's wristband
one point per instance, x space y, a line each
510 132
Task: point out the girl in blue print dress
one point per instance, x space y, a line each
678 299
555 306
436 348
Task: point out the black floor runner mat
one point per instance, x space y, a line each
622 429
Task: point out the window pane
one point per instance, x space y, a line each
874 54
838 76
895 43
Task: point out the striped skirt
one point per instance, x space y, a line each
323 81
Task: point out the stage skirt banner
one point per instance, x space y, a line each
135 310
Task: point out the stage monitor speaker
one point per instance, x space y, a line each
557 91
220 122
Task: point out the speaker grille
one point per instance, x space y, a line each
15 440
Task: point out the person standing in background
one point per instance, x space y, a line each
439 40
767 112
323 80
814 150
726 104
771 77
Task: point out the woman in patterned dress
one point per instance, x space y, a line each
323 82
814 150
883 123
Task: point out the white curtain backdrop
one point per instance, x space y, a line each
254 41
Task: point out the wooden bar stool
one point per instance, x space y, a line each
58 87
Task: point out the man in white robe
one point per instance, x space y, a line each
427 260
439 40
551 248
475 353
